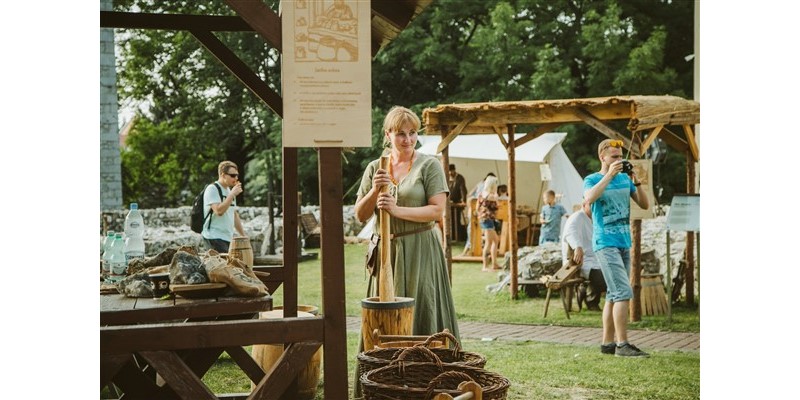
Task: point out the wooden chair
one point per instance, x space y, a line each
311 230
566 280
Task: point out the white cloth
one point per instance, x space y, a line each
577 232
221 226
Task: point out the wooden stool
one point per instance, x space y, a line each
565 280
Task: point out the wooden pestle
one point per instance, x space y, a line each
386 277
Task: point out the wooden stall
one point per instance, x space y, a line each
387 19
648 118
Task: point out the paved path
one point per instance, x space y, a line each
646 340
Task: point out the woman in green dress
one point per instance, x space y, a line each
420 185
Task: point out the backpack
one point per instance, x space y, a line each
197 217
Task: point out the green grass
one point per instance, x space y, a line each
543 371
535 369
473 302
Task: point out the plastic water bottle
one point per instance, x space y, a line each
116 261
134 234
106 253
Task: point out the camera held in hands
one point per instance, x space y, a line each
627 167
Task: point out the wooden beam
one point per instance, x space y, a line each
651 138
528 115
598 125
240 70
687 129
512 209
539 131
396 13
500 135
455 132
261 18
291 243
333 296
674 140
177 374
195 335
179 22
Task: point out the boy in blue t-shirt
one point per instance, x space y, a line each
551 219
609 192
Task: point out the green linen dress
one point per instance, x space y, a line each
420 270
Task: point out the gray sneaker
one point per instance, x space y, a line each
608 348
629 350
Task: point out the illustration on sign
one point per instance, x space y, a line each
326 31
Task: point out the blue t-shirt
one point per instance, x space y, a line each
551 230
611 212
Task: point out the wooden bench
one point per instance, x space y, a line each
311 230
566 280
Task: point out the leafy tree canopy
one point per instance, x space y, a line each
198 113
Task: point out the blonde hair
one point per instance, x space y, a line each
396 118
225 166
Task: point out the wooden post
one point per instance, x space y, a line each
386 279
448 216
512 209
291 246
689 272
635 306
332 260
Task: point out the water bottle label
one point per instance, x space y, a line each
130 256
134 224
118 268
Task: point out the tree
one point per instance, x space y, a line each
454 51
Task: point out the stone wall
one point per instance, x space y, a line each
166 227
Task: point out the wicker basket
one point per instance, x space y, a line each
387 341
377 358
422 380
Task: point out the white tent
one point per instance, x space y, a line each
476 155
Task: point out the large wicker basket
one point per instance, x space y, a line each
377 358
422 380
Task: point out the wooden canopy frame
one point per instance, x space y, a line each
648 118
389 18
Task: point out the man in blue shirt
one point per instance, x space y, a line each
609 192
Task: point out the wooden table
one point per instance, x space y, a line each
162 348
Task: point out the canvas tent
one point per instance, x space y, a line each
477 155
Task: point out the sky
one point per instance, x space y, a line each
748 145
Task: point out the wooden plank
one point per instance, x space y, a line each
261 18
283 372
674 140
218 23
539 131
687 129
291 241
177 374
240 70
455 132
598 125
333 295
110 365
197 335
275 278
500 135
246 362
635 306
121 310
650 138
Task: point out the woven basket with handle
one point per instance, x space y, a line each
403 379
380 357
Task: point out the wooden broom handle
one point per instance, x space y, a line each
386 278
